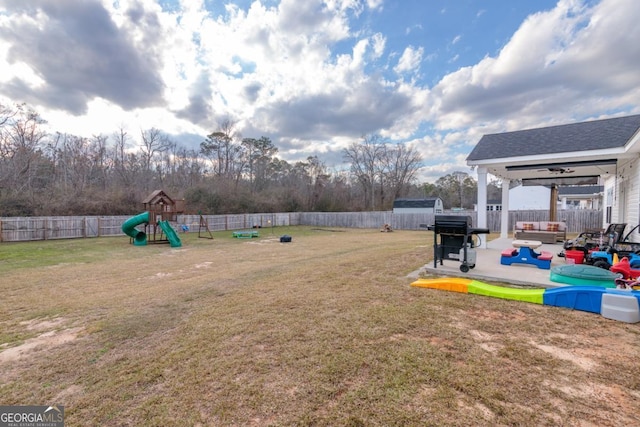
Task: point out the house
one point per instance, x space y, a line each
603 151
427 205
581 197
493 205
538 197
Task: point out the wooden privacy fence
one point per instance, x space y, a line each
19 229
577 220
15 229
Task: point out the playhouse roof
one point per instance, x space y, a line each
158 196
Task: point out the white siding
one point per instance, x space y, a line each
609 201
626 190
632 209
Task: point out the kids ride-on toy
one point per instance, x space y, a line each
621 248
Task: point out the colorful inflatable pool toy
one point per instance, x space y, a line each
610 303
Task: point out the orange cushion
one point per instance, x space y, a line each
552 227
527 226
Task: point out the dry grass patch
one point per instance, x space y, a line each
324 330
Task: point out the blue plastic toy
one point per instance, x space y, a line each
526 255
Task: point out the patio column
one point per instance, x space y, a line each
504 218
482 202
553 203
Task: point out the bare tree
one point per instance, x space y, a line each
100 161
401 164
365 159
23 147
120 158
153 142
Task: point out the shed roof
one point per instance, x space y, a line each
428 202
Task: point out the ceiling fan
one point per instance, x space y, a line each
557 170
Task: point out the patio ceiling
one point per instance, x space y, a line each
571 171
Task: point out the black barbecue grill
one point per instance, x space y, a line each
453 239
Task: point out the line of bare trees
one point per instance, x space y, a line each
44 173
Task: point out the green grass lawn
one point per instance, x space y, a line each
323 331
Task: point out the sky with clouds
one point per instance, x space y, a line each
316 75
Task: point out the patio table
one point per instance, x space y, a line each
531 244
526 254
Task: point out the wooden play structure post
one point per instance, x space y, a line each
204 224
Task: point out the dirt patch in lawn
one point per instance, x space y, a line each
51 333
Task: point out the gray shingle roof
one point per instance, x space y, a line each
584 136
581 189
415 203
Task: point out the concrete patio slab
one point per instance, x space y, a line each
488 267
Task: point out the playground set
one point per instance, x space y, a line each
159 211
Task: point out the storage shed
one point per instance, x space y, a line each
427 205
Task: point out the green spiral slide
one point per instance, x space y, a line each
140 237
129 228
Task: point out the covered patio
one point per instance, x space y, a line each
573 154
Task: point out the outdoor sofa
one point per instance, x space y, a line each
543 231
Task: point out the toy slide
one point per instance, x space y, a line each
622 305
454 284
468 286
516 294
129 228
172 236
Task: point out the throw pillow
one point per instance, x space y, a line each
552 227
527 226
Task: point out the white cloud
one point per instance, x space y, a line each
299 71
375 4
560 64
409 60
379 42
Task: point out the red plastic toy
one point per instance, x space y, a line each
623 267
629 279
